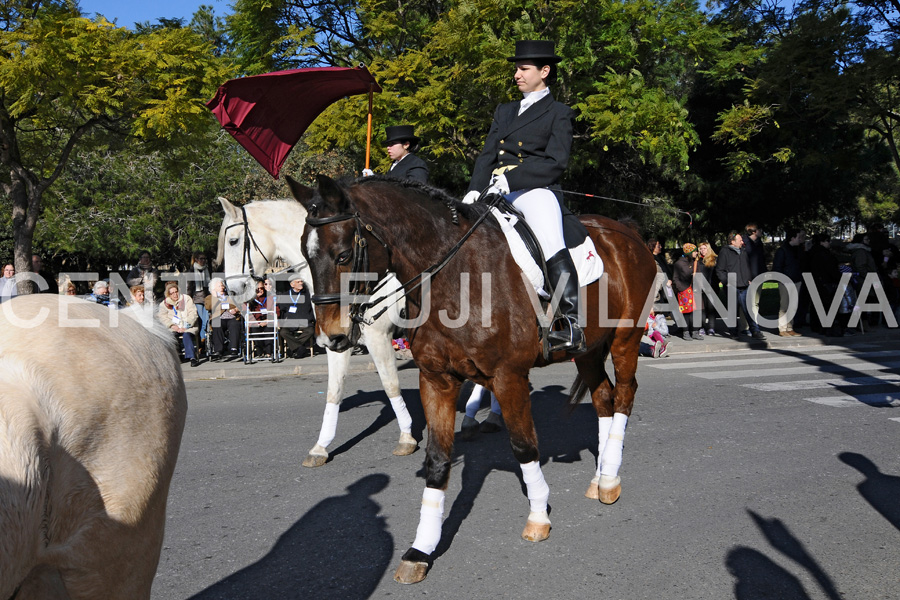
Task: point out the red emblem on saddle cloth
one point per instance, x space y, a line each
590 255
268 113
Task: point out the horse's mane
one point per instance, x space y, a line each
454 205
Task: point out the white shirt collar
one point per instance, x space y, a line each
529 98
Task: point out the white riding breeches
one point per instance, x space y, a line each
541 210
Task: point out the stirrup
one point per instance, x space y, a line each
569 338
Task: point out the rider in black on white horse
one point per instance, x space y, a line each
526 152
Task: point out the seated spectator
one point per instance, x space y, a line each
197 287
8 287
178 313
259 320
653 330
70 289
297 322
100 294
137 295
224 321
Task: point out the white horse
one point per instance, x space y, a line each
91 417
250 239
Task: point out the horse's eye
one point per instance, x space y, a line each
233 242
344 257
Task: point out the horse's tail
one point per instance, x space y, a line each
577 393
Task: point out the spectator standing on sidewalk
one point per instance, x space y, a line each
682 280
756 255
733 268
708 259
789 261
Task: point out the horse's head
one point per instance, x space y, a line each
239 254
345 265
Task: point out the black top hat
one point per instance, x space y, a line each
536 50
400 133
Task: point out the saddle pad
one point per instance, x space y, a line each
526 252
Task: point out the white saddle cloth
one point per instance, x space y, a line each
588 263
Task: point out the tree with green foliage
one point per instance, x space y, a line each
68 83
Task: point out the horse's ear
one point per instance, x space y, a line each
230 209
300 192
332 194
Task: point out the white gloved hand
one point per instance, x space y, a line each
368 172
499 185
471 197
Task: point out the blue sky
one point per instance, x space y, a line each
128 12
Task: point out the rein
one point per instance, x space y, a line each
360 259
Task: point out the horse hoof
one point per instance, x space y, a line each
469 428
406 445
610 488
410 572
317 457
536 532
593 491
492 424
314 460
403 449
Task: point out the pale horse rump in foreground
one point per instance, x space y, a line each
90 425
251 237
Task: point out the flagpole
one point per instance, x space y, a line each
369 127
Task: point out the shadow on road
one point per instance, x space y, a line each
880 490
385 417
339 549
759 577
561 437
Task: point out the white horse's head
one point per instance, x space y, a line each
252 236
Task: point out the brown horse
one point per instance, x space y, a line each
486 327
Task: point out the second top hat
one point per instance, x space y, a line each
400 133
536 50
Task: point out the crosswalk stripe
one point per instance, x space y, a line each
812 384
769 359
863 366
892 400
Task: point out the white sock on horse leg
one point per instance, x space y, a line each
495 405
329 424
612 454
431 519
537 488
403 418
602 437
474 401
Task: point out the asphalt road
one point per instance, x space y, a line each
748 474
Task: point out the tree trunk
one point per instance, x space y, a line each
26 204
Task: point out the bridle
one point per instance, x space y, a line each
360 264
360 288
248 240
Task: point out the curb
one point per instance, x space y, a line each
318 365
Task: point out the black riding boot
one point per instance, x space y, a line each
565 334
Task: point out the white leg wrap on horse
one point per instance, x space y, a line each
612 453
602 436
495 405
329 424
537 488
403 418
474 401
431 518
